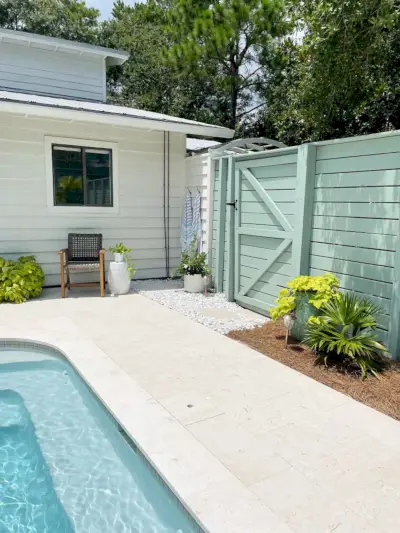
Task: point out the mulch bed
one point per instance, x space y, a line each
383 393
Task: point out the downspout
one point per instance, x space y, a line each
168 196
166 203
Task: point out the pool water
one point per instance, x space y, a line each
65 464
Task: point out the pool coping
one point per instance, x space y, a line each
217 500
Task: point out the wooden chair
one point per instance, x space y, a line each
84 254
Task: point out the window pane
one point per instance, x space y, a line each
98 177
68 176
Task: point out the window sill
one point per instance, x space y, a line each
82 210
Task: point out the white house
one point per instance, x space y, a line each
126 167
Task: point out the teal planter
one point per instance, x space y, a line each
303 312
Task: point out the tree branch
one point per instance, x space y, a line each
250 110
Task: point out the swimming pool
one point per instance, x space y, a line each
65 464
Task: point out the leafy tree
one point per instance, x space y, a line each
67 19
341 72
235 35
148 80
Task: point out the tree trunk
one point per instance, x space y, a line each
234 94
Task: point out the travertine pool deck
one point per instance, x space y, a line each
250 445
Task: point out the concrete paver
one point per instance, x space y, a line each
318 460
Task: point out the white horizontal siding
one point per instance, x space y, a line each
26 226
198 179
33 70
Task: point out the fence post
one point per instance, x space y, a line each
220 239
306 159
394 325
230 224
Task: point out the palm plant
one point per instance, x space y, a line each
345 333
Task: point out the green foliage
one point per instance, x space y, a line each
340 72
20 280
193 262
67 19
120 248
235 35
321 289
345 333
148 80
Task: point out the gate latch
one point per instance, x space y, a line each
232 204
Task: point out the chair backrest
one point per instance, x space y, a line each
84 246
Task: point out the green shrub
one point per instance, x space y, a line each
321 289
193 262
20 280
344 334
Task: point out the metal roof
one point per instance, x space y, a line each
112 57
200 145
83 111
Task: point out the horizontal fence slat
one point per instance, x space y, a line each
258 302
264 295
274 278
254 264
347 209
370 178
355 239
268 243
373 225
268 161
282 172
359 164
360 147
287 208
364 255
250 195
352 268
262 253
269 289
358 194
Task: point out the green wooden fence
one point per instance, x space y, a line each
330 206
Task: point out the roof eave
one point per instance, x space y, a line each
75 115
112 57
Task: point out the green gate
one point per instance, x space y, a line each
265 195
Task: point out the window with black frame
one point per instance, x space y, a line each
82 176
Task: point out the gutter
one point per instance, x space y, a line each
101 117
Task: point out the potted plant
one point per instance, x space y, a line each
121 271
193 268
302 299
119 251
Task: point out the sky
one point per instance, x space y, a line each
105 6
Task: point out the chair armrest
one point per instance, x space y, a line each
63 251
102 251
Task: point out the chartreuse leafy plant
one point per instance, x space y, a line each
321 289
344 333
20 280
120 248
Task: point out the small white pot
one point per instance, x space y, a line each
119 258
193 283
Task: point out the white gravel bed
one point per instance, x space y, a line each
213 310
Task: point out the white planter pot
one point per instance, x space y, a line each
119 258
119 279
193 283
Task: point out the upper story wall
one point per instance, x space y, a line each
50 73
37 64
